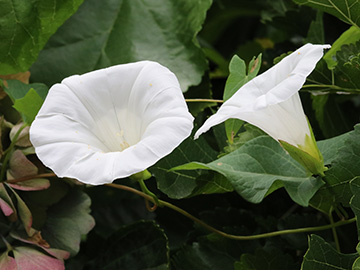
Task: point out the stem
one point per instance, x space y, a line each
8 153
231 236
145 190
332 87
321 86
8 124
203 100
333 229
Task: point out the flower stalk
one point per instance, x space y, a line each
150 198
148 192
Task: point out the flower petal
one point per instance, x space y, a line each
276 120
270 101
111 123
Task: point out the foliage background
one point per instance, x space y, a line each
196 40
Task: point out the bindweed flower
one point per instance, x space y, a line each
111 123
271 102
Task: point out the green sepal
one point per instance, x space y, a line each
308 155
312 164
144 175
310 145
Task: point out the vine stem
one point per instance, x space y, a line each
162 203
332 87
231 236
148 192
335 235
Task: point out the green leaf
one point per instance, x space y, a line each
31 185
6 208
17 90
355 200
199 257
23 212
258 168
250 133
29 258
321 75
109 218
276 8
342 79
316 33
139 246
188 183
237 78
67 221
37 240
214 56
223 14
212 182
9 113
20 166
331 117
346 10
329 148
39 201
232 126
29 105
27 98
344 168
322 255
7 262
350 36
23 139
220 137
2 129
324 200
25 28
4 196
299 241
342 152
238 74
348 68
356 265
269 258
115 32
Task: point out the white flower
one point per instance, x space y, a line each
111 123
271 100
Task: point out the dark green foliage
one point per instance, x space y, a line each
322 255
235 178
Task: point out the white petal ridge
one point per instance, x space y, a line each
111 123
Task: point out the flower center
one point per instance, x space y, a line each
118 130
120 139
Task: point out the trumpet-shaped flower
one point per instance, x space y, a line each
111 123
271 102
